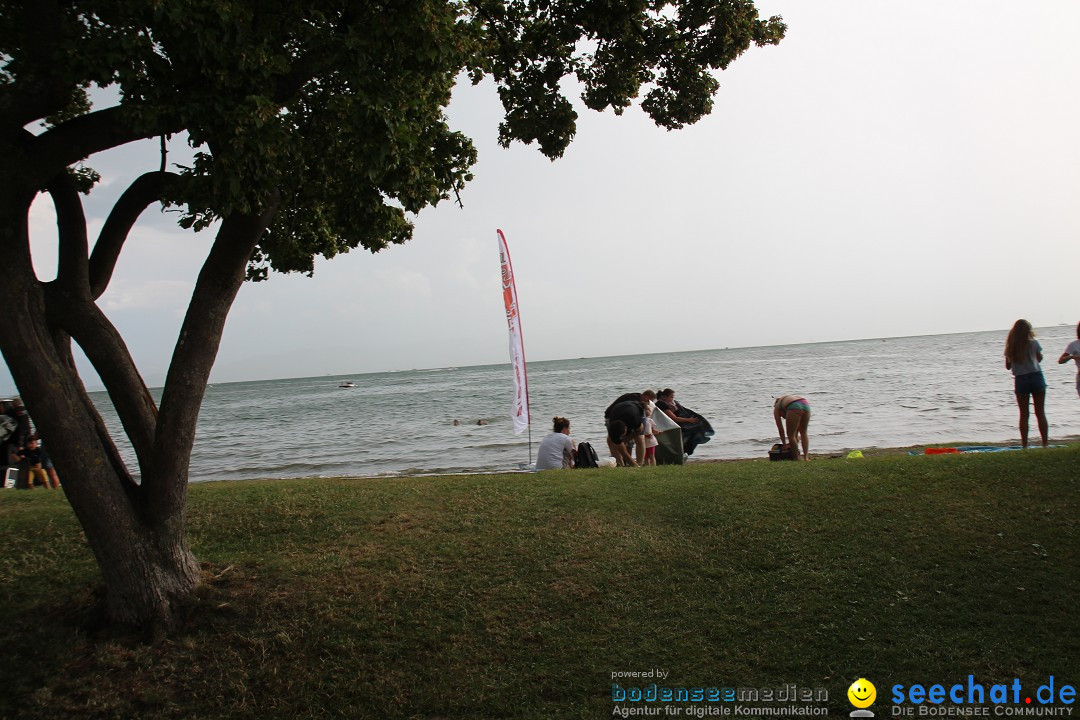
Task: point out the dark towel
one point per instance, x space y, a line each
693 434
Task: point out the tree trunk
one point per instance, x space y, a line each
147 567
135 529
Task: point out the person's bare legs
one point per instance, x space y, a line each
1040 415
804 430
1022 403
639 448
796 421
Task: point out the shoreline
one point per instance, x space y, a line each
264 430
872 452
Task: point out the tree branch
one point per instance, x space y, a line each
504 44
72 263
146 189
70 311
200 336
22 105
62 342
107 352
81 137
38 353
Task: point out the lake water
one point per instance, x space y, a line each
864 393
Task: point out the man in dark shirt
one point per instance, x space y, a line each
624 420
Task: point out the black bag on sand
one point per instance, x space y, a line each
586 456
779 453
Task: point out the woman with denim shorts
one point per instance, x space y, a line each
1023 353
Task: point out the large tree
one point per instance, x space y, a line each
318 127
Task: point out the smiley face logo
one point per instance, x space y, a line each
862 693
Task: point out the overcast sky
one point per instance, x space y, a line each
889 169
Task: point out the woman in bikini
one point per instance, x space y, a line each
795 410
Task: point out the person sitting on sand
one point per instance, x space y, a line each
1072 352
557 450
795 411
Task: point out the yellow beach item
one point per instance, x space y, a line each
854 454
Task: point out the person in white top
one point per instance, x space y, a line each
557 450
1023 353
1072 352
650 436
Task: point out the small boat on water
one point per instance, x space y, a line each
347 384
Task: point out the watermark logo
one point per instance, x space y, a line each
787 702
972 698
862 695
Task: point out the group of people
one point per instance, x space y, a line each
1023 356
631 431
21 450
632 435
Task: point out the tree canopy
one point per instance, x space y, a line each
317 127
336 108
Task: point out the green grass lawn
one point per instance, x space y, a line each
518 596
